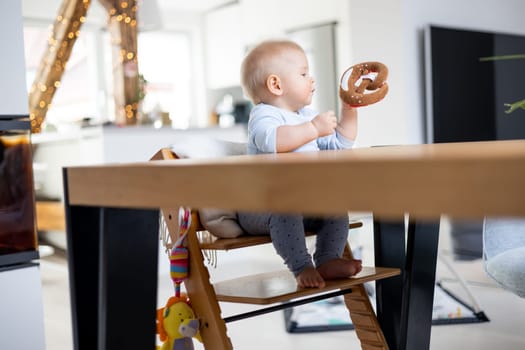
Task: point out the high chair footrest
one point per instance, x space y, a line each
280 286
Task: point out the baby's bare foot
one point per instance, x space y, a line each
339 268
310 278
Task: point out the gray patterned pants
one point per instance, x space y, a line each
287 233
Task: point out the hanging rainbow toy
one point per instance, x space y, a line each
179 254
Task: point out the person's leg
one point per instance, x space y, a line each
287 233
332 235
254 223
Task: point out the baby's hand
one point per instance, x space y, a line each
325 123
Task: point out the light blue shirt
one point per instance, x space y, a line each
265 119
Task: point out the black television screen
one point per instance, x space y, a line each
466 94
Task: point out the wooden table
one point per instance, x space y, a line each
112 221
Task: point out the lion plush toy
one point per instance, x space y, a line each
177 325
364 84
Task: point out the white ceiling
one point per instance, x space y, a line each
48 8
191 5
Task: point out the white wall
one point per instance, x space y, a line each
13 93
392 31
192 24
376 35
272 18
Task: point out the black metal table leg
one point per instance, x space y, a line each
420 276
389 243
112 255
404 303
128 279
83 243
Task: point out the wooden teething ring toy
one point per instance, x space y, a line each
355 80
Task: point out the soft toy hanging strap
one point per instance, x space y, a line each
179 253
178 267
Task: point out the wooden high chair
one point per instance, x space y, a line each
272 291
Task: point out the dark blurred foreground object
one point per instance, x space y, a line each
18 241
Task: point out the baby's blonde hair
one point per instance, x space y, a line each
259 63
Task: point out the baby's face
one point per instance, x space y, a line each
297 84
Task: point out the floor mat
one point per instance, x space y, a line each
332 315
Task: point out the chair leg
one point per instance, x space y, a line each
363 316
198 287
203 299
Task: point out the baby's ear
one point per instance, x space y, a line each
273 84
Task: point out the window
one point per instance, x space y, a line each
78 96
164 60
86 89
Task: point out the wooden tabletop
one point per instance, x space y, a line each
466 180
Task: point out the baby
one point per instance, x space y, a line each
275 75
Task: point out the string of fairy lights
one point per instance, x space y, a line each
124 15
66 30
